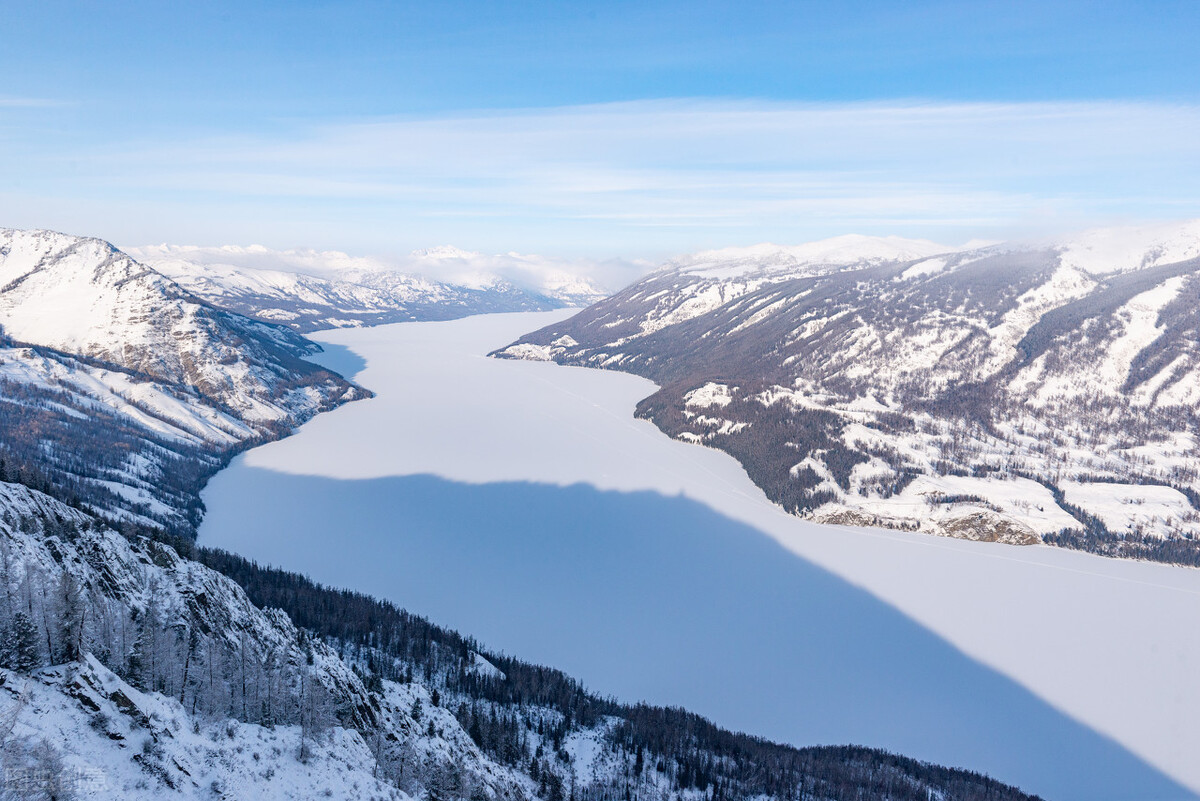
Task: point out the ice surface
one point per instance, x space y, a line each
521 502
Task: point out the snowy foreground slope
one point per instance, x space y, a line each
312 290
127 388
127 671
1019 393
191 637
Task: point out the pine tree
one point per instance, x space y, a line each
71 610
137 665
22 639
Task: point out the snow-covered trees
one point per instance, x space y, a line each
20 645
475 726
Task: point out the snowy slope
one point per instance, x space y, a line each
309 290
83 296
177 740
856 366
128 390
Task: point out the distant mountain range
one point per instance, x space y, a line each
310 290
1012 392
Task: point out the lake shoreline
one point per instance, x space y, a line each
452 428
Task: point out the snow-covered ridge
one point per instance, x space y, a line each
850 249
125 386
309 289
954 391
1100 251
83 296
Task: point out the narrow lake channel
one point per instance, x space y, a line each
522 503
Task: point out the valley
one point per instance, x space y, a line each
523 502
647 401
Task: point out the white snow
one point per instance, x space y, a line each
1130 508
709 395
474 500
924 268
728 263
219 760
147 403
84 297
1101 251
1140 317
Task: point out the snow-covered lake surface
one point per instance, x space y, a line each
521 502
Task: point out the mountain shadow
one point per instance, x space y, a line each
644 596
340 359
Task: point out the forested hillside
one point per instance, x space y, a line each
1023 393
153 649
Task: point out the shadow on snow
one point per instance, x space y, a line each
650 597
340 359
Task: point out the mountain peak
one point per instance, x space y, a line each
444 252
1102 251
836 251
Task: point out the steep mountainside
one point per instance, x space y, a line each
127 390
170 682
308 290
1018 393
128 671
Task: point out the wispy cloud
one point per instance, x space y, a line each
676 174
11 101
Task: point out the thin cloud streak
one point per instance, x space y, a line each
772 171
11 101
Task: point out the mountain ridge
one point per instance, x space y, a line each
310 290
128 390
992 393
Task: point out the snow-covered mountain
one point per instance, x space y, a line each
1020 392
230 700
135 665
128 671
124 386
310 290
85 297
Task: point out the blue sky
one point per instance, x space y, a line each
633 129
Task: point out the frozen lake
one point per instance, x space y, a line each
521 503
